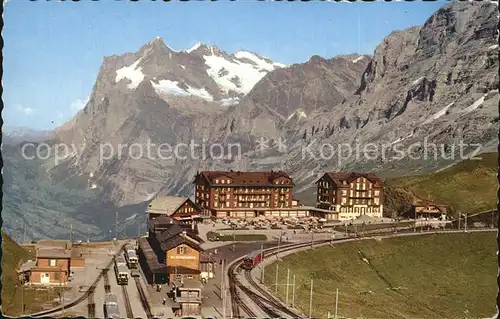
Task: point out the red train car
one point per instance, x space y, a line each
252 260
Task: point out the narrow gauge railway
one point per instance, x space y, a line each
268 303
131 257
88 295
128 306
236 302
111 310
144 300
107 286
121 270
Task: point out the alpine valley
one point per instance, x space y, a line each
436 83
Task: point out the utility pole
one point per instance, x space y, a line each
22 297
223 291
116 226
233 241
459 216
279 246
287 285
262 263
465 227
336 303
24 238
293 292
311 300
276 286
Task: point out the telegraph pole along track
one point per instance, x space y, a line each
269 303
263 299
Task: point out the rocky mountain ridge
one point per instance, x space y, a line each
436 83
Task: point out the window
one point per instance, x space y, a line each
377 193
181 250
52 262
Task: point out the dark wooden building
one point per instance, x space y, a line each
178 208
171 251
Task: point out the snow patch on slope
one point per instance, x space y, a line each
417 81
172 87
196 46
357 59
474 105
438 114
226 71
131 73
261 63
229 101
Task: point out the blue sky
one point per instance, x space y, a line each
53 50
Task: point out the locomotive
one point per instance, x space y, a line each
121 271
252 260
131 257
111 310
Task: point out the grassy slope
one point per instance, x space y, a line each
442 276
12 256
12 295
469 186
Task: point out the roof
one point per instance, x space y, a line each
75 253
170 230
27 266
53 253
191 284
424 202
206 258
246 178
52 243
339 177
168 205
179 240
48 269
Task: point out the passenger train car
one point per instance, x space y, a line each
131 255
121 270
252 260
111 310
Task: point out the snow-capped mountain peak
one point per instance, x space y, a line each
202 71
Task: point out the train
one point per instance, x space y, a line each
131 256
111 310
121 270
252 260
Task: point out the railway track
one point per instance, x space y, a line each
88 295
236 302
142 295
107 286
263 299
91 303
128 306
